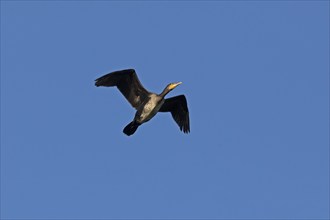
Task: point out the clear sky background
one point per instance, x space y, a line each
256 76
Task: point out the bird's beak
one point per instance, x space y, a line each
173 85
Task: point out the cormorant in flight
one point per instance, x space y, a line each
146 103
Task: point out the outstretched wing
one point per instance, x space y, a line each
128 84
177 105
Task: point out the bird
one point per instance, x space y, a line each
147 104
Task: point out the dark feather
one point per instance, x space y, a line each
177 105
128 84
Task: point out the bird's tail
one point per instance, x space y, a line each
131 128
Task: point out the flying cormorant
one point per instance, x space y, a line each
146 103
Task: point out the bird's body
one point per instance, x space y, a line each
149 109
146 103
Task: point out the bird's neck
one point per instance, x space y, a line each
164 92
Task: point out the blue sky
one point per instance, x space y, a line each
256 76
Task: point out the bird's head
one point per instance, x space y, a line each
169 88
172 86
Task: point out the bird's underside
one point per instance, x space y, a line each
146 103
